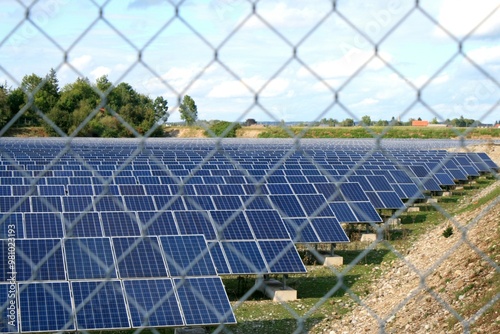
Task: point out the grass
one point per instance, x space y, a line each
258 313
374 131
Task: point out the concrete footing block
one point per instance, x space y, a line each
432 200
413 209
394 222
274 289
446 193
368 237
333 260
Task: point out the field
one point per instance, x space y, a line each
314 132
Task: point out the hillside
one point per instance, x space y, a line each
461 277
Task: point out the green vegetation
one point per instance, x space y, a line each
375 131
448 232
222 129
82 108
188 110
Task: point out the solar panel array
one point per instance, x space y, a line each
116 234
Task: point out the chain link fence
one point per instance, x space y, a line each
369 33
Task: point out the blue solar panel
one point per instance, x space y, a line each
365 212
195 222
99 305
231 225
89 258
44 190
220 261
85 224
207 189
301 230
199 203
279 189
267 224
46 204
391 200
410 191
5 191
329 230
11 226
379 183
105 190
43 225
80 190
139 203
45 307
132 189
109 203
157 189
77 203
14 204
315 205
343 212
444 179
257 202
227 202
144 296
139 257
288 205
204 301
169 203
157 223
231 189
376 201
119 224
353 192
34 263
8 309
281 256
187 255
244 257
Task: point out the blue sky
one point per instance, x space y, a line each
179 53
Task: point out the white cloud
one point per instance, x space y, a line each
485 55
461 16
100 71
81 63
236 88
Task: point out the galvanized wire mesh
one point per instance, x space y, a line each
374 34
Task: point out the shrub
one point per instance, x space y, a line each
448 232
223 129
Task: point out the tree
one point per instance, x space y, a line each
188 110
366 120
160 107
434 121
348 122
5 114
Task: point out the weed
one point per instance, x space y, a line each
448 232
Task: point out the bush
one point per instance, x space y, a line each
223 129
448 232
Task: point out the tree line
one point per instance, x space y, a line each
88 109
367 121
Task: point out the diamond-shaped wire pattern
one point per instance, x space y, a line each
335 66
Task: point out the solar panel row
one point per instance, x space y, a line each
85 220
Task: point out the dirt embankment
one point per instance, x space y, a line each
460 279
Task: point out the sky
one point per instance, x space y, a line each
270 60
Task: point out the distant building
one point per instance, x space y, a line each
419 123
250 122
